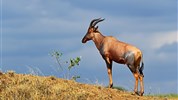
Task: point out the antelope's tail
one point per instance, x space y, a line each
142 67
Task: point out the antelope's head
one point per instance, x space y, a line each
91 30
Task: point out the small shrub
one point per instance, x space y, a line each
75 77
72 63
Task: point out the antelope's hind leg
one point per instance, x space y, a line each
136 76
141 84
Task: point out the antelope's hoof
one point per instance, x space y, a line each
110 85
138 93
141 93
135 93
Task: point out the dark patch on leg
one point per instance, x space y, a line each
141 94
132 68
141 69
111 85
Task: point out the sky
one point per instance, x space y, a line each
31 30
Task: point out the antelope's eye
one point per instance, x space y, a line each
90 30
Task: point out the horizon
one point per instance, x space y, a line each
31 30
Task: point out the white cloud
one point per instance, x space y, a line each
160 39
150 41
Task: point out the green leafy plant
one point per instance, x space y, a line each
75 77
57 55
74 62
71 64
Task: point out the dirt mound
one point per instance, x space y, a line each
28 87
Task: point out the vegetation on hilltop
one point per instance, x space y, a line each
29 87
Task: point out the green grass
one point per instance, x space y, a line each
119 88
171 95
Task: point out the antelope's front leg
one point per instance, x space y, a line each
109 69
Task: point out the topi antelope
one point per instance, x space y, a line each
112 49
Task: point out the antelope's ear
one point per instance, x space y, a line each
96 28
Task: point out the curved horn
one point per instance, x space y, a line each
99 20
95 21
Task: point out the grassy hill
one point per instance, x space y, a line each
28 87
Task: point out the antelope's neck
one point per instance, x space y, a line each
98 38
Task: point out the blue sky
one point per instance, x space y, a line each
30 30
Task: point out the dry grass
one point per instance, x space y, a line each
28 87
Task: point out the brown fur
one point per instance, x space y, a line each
112 49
